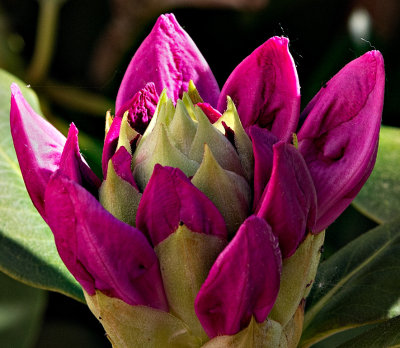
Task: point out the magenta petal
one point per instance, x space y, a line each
122 165
99 250
262 140
141 107
110 144
244 281
171 199
169 58
265 89
212 114
38 146
289 202
340 134
74 167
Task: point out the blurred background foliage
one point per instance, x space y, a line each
73 53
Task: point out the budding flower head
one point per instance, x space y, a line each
211 201
182 135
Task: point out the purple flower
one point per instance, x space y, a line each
339 137
203 166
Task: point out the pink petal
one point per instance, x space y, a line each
99 250
265 89
170 199
38 146
262 140
289 201
212 114
340 134
141 107
122 165
169 58
243 281
74 167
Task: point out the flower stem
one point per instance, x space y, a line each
45 37
77 98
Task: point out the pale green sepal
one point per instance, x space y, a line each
159 149
126 134
185 259
295 141
109 121
292 331
243 143
148 142
161 101
194 93
182 128
317 250
129 326
119 197
222 149
166 113
264 335
298 273
189 106
230 192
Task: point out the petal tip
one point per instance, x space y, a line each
15 90
73 129
380 61
279 40
374 57
167 17
375 53
167 23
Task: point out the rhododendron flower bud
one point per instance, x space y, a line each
207 227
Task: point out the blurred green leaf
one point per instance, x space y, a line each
21 310
92 150
336 340
61 333
10 45
358 285
79 99
27 249
384 335
379 199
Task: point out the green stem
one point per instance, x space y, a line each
75 98
45 37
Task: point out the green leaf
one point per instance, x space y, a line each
379 199
21 310
358 285
339 338
27 249
386 334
